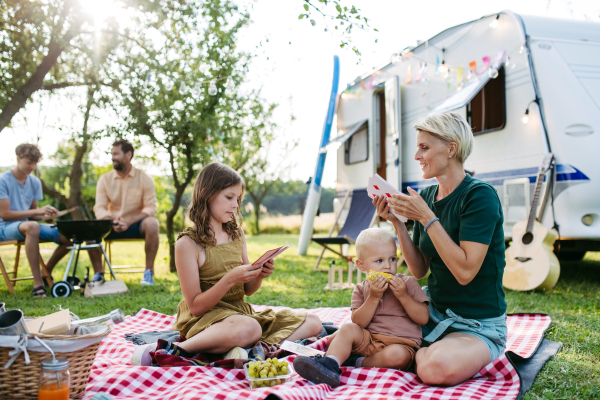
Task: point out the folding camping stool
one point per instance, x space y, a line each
123 269
11 282
362 215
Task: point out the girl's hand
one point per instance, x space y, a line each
383 209
412 207
398 286
244 273
267 269
378 286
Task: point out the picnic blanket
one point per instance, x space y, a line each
112 372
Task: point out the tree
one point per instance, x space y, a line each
265 170
42 43
179 94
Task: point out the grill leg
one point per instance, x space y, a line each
108 262
75 248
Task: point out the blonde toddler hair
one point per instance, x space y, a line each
451 127
369 237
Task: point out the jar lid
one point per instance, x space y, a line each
55 365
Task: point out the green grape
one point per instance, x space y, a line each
263 374
271 374
284 363
272 383
284 370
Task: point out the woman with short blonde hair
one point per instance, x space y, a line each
458 236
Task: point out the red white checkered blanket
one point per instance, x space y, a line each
113 374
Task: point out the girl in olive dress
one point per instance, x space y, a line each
215 275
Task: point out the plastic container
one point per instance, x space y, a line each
256 383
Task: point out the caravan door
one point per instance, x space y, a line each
393 133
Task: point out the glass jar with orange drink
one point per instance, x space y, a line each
54 380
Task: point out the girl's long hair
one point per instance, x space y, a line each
211 180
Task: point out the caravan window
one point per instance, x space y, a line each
357 147
487 111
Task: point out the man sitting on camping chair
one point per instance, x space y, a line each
127 196
19 195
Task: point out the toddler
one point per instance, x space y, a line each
385 331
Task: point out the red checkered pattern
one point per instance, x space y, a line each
113 374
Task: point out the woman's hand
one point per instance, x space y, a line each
244 273
383 209
398 287
378 286
267 269
412 207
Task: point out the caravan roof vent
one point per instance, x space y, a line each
579 130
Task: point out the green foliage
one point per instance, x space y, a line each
341 17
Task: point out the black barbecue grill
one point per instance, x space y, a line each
81 231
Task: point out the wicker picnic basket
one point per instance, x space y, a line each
21 381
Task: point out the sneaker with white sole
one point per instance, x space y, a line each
141 355
148 278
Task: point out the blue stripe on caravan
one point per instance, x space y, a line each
564 172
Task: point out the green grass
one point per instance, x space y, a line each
574 304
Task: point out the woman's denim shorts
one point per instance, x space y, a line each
492 331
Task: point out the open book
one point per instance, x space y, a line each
271 254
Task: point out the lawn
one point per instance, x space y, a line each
574 304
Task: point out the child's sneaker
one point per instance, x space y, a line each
318 369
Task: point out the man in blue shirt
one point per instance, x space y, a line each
19 195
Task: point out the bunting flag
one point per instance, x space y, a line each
409 74
486 63
437 65
473 66
459 74
362 84
418 75
371 82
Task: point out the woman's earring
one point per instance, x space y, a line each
449 156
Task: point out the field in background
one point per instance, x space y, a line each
277 224
574 304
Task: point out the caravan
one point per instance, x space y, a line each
527 85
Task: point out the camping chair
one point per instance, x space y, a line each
11 282
362 215
123 269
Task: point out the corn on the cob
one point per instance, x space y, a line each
374 274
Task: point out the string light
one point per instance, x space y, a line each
230 84
526 115
212 89
492 73
494 24
197 88
183 89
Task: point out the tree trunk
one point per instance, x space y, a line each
74 199
170 228
256 219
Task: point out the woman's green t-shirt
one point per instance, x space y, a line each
472 212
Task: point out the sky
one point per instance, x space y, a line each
294 68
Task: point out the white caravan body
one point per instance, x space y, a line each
549 67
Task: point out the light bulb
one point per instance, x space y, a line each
183 89
442 68
197 88
494 24
230 84
526 116
493 73
212 89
